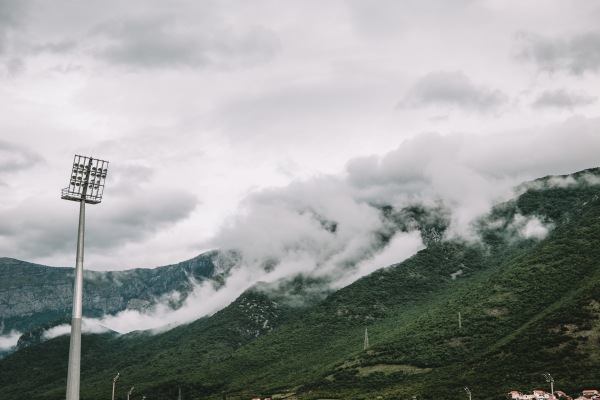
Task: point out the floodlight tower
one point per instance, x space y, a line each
114 383
550 380
85 186
129 394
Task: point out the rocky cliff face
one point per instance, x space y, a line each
32 294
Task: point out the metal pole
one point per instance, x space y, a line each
79 185
73 378
550 379
116 378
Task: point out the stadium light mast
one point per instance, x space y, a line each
114 383
86 185
550 380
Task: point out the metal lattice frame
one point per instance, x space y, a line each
87 180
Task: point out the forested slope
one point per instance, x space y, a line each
528 305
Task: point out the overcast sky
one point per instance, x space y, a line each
225 121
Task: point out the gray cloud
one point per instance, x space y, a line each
33 228
561 98
318 228
142 215
576 55
14 157
452 89
19 40
406 168
15 66
58 47
9 341
470 172
560 148
126 179
431 168
163 42
11 16
142 35
307 104
327 226
390 16
36 229
8 20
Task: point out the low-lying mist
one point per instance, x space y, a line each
380 211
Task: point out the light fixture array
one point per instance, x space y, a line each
87 180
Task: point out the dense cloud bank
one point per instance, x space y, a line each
379 211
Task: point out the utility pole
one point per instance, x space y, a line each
86 185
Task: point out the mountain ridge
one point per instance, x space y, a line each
527 303
33 294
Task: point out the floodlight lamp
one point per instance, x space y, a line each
82 186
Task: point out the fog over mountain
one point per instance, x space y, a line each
245 128
331 227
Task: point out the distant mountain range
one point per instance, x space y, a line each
32 295
492 314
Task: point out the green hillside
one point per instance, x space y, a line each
528 305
